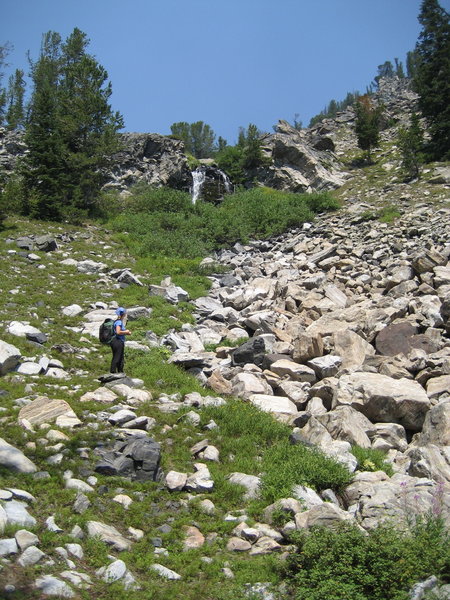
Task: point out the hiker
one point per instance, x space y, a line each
118 341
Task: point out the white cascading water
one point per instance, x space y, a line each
198 179
226 181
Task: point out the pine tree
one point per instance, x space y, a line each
252 153
15 115
43 168
203 140
71 130
87 123
432 75
367 124
411 64
198 138
399 71
384 70
410 141
5 49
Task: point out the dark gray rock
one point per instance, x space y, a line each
137 459
250 352
38 338
26 243
45 243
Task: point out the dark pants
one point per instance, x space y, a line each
118 355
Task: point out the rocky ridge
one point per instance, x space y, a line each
299 161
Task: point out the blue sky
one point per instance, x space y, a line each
225 62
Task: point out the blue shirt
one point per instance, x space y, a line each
120 323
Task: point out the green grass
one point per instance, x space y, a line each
285 465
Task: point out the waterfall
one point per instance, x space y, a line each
226 181
198 178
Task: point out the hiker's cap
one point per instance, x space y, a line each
120 311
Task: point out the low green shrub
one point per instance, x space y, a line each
321 202
147 199
383 564
162 222
370 459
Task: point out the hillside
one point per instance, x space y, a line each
287 383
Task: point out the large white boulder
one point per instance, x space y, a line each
384 399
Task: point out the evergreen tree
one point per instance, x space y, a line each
251 142
411 64
432 75
71 130
298 125
203 140
15 115
399 71
221 144
87 122
384 70
230 160
43 168
182 131
5 49
198 138
367 124
410 141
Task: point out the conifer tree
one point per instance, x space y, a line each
367 124
71 130
198 138
43 168
250 141
88 124
410 141
15 114
399 71
4 51
432 75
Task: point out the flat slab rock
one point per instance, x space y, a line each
44 410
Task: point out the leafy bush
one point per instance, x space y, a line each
259 213
285 465
148 199
348 563
164 222
370 459
321 202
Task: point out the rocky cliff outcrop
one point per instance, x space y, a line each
144 157
296 164
151 158
298 161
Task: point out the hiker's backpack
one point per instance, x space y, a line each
106 331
